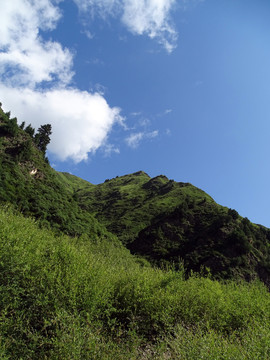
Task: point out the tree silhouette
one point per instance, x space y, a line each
42 138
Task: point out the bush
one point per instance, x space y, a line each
10 128
64 298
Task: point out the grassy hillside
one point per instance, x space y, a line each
207 235
75 298
167 221
87 297
128 204
160 219
28 181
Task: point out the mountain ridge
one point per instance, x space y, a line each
167 222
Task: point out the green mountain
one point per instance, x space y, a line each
72 298
28 182
166 222
70 288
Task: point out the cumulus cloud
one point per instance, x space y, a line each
141 17
25 59
134 139
36 74
81 121
151 18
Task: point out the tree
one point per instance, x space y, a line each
30 130
22 125
233 213
10 127
25 151
42 137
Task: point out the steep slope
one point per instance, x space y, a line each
129 203
69 298
169 222
160 219
206 235
28 181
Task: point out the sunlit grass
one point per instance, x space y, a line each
64 298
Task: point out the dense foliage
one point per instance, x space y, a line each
87 297
75 298
27 180
168 221
203 234
157 218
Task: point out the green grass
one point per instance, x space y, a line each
158 218
71 182
63 298
128 204
87 297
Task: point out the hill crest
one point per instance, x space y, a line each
160 219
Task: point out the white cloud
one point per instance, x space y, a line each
151 18
109 149
167 111
144 122
152 134
164 113
138 113
25 59
141 17
80 121
89 34
134 139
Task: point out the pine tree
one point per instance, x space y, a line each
42 137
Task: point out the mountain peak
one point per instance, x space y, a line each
158 218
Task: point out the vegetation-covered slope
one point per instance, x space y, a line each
72 298
128 204
206 235
28 181
160 219
170 222
87 297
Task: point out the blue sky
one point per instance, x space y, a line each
179 88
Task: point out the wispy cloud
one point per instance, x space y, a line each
151 18
110 149
167 111
144 122
88 34
164 113
135 139
36 77
138 113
